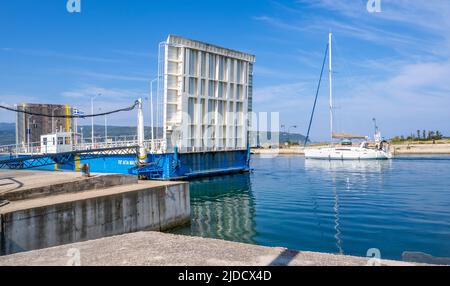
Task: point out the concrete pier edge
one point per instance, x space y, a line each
161 249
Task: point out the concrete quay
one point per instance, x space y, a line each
278 151
45 209
161 249
396 149
420 149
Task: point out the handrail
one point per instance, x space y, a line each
35 148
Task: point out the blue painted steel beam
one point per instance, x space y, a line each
37 161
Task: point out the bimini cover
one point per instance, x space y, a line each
348 136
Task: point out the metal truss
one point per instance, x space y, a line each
64 158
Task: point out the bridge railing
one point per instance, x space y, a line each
157 145
35 148
14 149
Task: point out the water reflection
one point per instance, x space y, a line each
357 176
222 207
348 166
346 176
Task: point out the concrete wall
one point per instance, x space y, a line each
157 208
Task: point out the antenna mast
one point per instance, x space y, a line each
331 84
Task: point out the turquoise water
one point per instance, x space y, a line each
336 207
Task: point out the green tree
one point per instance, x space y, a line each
418 134
424 135
431 135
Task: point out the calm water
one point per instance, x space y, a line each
338 207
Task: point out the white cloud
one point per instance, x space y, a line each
109 99
56 54
106 76
135 53
11 99
109 94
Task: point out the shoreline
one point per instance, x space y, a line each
397 149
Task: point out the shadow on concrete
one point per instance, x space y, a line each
284 258
18 184
420 257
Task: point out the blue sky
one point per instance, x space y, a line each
393 65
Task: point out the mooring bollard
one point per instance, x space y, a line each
85 170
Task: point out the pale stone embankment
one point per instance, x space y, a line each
421 149
397 149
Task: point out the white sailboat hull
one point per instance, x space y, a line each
346 153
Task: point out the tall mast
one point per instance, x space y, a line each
331 85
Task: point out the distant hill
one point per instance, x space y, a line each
270 138
116 131
7 133
7 126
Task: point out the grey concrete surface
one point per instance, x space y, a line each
24 184
78 216
161 249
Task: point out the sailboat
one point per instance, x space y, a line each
345 150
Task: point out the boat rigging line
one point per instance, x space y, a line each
317 94
136 103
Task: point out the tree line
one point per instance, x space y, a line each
420 135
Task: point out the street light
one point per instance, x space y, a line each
289 133
106 127
53 118
151 114
92 118
282 132
29 133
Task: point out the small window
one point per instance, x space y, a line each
67 141
44 141
60 140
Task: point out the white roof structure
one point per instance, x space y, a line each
209 48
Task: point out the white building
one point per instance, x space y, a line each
207 94
56 143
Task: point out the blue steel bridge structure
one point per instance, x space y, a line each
164 166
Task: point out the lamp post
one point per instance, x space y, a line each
282 133
106 126
29 133
151 115
53 118
106 130
289 133
92 118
